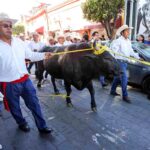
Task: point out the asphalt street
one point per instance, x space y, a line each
115 126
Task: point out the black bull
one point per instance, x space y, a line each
78 69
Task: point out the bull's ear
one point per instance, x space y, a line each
95 45
92 45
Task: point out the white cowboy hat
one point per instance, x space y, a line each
35 33
5 17
122 28
50 38
60 36
21 34
68 35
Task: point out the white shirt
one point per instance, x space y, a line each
36 45
12 59
67 42
58 44
123 46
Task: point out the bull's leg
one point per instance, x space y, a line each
92 92
40 71
54 85
68 90
40 78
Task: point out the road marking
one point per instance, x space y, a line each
1 146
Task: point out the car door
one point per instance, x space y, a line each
134 71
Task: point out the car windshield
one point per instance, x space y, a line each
143 47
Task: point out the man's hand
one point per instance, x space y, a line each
48 55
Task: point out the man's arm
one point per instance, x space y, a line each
36 56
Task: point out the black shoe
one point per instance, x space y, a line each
148 97
114 94
24 127
45 130
104 85
1 114
126 99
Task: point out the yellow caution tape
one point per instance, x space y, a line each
59 95
102 49
99 50
55 95
74 51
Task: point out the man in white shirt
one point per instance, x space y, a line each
35 46
60 40
68 39
51 41
14 78
122 46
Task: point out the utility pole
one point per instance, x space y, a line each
125 12
135 18
47 20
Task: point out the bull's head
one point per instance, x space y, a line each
108 64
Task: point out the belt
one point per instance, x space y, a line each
4 84
24 78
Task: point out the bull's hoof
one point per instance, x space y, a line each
94 109
57 92
69 105
39 85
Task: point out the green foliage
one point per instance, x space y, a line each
18 29
104 11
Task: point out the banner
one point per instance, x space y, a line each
143 22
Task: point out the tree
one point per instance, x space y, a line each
104 11
17 29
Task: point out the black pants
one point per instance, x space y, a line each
31 64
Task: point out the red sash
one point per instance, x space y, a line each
4 84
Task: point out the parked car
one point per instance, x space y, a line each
138 73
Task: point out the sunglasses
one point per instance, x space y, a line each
6 25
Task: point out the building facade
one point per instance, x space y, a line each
64 17
137 15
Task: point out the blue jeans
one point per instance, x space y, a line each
1 106
122 78
102 80
27 91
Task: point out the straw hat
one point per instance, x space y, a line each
5 17
68 35
35 33
21 34
60 36
50 38
122 28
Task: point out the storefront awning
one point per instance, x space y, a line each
40 30
93 26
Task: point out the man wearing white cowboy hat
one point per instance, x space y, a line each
68 39
122 46
14 78
60 40
35 45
